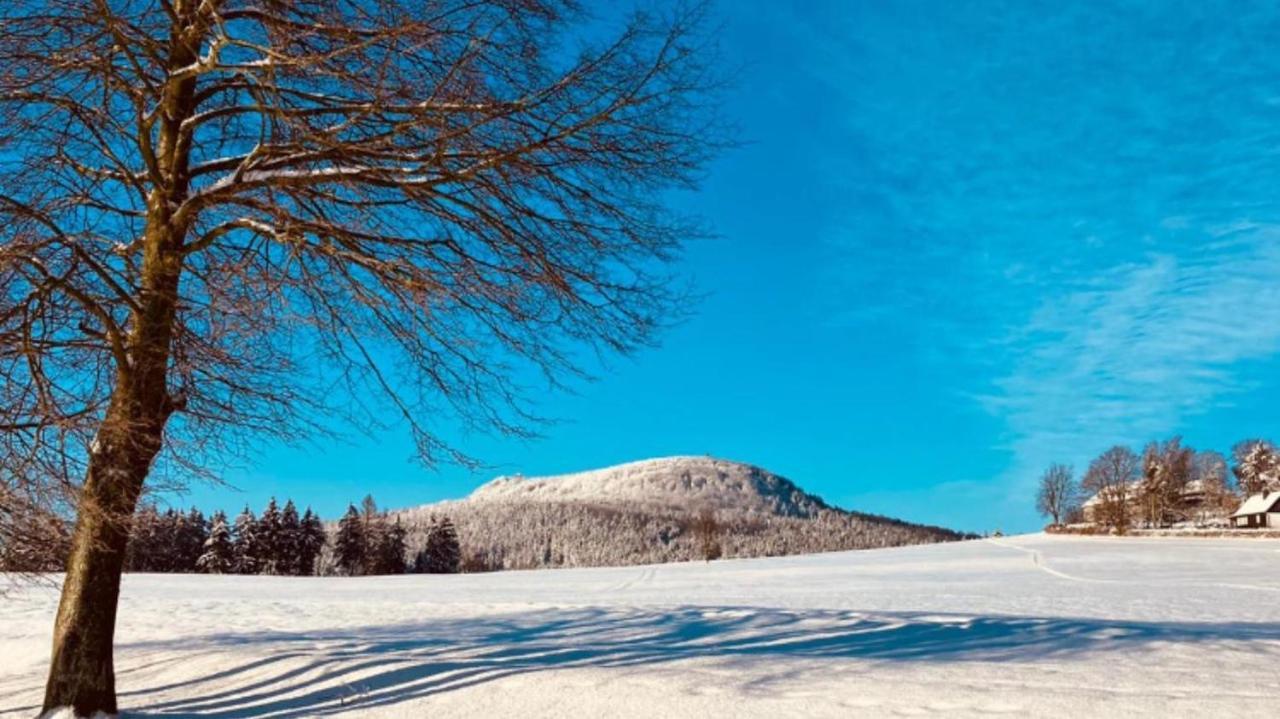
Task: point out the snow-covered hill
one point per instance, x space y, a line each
645 512
688 483
1033 626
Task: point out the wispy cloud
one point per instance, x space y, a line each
1075 215
1139 349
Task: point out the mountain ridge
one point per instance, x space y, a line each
700 481
648 511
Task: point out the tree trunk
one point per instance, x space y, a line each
81 673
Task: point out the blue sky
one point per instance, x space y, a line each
961 241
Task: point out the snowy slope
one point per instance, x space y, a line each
1024 626
646 512
683 482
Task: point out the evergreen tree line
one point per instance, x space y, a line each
279 542
171 541
369 542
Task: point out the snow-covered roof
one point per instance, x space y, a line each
1258 504
1130 492
1195 486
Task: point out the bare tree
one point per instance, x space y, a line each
32 539
1058 493
706 528
1110 479
215 212
1167 467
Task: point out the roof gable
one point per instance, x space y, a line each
1260 503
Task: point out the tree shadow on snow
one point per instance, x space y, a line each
316 673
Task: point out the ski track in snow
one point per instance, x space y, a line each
1038 560
1026 626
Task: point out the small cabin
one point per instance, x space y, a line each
1259 510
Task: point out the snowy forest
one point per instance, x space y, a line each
279 542
489 536
535 535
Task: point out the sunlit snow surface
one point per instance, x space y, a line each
1031 625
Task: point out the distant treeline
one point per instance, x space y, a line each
278 542
501 535
368 542
489 536
1168 483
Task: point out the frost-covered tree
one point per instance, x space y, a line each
1058 493
169 552
289 543
372 530
270 539
219 555
1166 469
145 540
390 550
1215 481
499 535
441 553
193 532
349 543
32 539
311 541
248 549
1257 466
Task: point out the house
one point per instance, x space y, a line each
1195 494
1094 507
1195 501
1259 510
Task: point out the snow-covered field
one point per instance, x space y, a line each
1023 626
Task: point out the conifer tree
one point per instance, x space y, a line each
189 545
219 555
372 529
311 541
247 545
390 549
288 542
349 545
1257 466
441 553
167 551
270 526
141 553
